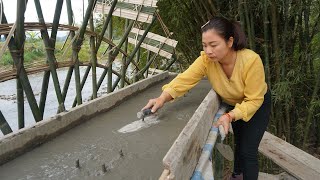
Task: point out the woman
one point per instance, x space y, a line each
237 75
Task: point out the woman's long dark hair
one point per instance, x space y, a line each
227 29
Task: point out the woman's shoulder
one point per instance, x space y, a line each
248 56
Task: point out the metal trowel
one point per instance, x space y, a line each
224 149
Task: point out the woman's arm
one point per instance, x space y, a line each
180 85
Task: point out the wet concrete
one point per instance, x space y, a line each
102 151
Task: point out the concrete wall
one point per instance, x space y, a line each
25 139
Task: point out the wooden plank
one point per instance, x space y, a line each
183 155
302 156
293 160
151 48
125 13
151 3
154 43
154 46
168 41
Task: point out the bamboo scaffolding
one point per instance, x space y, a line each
153 41
150 3
35 26
125 13
49 45
137 47
83 81
16 50
72 34
76 46
105 24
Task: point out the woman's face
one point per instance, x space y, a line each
215 47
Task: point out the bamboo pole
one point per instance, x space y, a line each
84 79
4 126
148 59
49 45
124 58
72 34
276 47
247 19
135 76
266 24
109 78
20 104
93 60
16 50
311 111
76 46
173 59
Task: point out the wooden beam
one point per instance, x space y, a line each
184 154
154 42
292 159
150 3
125 13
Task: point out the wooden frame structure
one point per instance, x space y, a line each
137 14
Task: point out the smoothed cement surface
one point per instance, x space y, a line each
135 155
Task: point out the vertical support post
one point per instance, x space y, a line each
109 87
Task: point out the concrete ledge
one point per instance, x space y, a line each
181 159
15 144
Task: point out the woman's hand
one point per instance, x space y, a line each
157 103
225 121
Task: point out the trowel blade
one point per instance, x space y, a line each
225 151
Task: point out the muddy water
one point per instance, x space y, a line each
135 155
8 99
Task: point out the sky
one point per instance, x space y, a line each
48 8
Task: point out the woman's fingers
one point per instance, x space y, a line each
155 104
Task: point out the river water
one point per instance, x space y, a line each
8 98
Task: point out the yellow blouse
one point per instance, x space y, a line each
245 89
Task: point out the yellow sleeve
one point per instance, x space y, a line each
254 90
188 79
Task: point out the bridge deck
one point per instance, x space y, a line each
97 142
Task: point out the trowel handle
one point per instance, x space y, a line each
222 133
144 113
